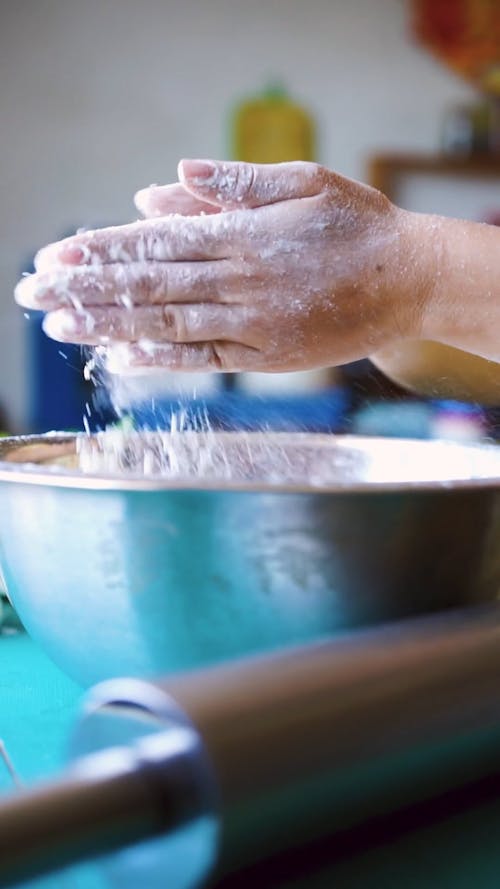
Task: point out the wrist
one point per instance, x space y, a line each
463 310
421 258
459 299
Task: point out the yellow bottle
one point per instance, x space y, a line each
271 128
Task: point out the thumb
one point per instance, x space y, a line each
236 184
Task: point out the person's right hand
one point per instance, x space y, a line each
303 268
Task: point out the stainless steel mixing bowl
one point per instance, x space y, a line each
118 573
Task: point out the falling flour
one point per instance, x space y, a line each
184 453
183 447
283 459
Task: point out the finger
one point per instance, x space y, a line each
127 285
134 358
162 240
160 324
165 200
234 184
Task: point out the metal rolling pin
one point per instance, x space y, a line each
209 771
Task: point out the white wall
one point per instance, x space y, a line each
100 97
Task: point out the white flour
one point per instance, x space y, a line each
186 453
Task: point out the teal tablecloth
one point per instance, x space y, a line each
38 706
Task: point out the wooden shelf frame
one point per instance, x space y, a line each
385 169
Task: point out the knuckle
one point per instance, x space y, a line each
218 356
313 175
149 287
320 176
142 283
173 324
245 177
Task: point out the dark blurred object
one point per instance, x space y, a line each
365 382
373 402
465 35
9 620
472 129
4 422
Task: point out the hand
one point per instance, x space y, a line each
302 269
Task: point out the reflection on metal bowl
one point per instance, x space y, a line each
121 573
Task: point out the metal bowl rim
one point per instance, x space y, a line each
33 474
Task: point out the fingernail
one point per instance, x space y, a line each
35 292
70 254
61 324
25 291
145 201
65 324
199 172
45 258
142 199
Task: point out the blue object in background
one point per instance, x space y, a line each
60 398
459 421
57 390
394 419
323 411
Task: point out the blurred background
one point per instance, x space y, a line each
100 98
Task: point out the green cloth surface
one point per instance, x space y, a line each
38 708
